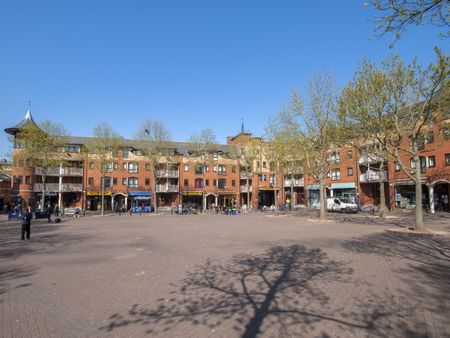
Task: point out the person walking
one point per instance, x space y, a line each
49 213
26 223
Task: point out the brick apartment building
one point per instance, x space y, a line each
223 180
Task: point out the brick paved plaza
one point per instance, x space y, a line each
223 276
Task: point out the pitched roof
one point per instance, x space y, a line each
28 119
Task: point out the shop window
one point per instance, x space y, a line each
186 167
349 154
447 159
133 182
91 165
431 161
222 184
233 183
114 181
147 181
186 182
349 171
133 167
147 166
198 183
124 181
27 179
335 174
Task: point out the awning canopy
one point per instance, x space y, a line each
347 185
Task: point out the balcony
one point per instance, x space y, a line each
369 159
245 188
244 176
56 171
297 182
371 176
54 187
167 188
167 173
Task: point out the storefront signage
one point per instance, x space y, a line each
98 193
194 193
266 189
139 194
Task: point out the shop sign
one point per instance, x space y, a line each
98 193
266 189
139 194
193 193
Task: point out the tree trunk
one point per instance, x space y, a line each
322 198
292 193
248 193
44 178
103 195
418 181
275 191
154 193
382 193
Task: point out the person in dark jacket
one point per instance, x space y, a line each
26 223
49 213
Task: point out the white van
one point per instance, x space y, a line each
341 204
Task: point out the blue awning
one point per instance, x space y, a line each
348 185
139 194
312 187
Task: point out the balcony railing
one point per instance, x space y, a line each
244 176
369 159
297 182
54 187
245 188
56 171
167 188
371 176
167 173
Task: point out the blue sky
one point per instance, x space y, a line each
191 64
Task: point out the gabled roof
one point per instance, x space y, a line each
27 120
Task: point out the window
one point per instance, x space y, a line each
215 168
349 171
115 166
215 156
272 179
186 182
147 166
233 183
19 179
258 164
262 178
222 183
91 165
431 161
272 166
233 169
125 152
398 166
335 158
27 180
214 183
115 153
207 183
206 156
349 154
198 183
206 168
108 167
72 149
106 182
133 167
198 169
114 182
335 174
125 166
133 182
186 167
423 164
447 159
147 181
91 181
124 181
446 133
222 170
412 163
264 164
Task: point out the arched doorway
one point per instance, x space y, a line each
119 200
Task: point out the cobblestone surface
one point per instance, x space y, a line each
223 276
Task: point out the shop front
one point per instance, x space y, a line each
94 200
140 201
192 199
313 196
405 194
346 190
227 200
266 197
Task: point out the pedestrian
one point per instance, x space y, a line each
49 213
142 207
57 211
26 223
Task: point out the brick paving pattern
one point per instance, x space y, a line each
250 275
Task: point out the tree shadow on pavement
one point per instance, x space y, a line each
423 268
8 273
280 292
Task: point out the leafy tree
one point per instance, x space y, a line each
103 147
363 107
153 141
398 15
201 147
42 147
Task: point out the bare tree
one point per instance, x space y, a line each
397 15
153 138
201 146
42 147
103 147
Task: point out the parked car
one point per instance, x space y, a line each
341 204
